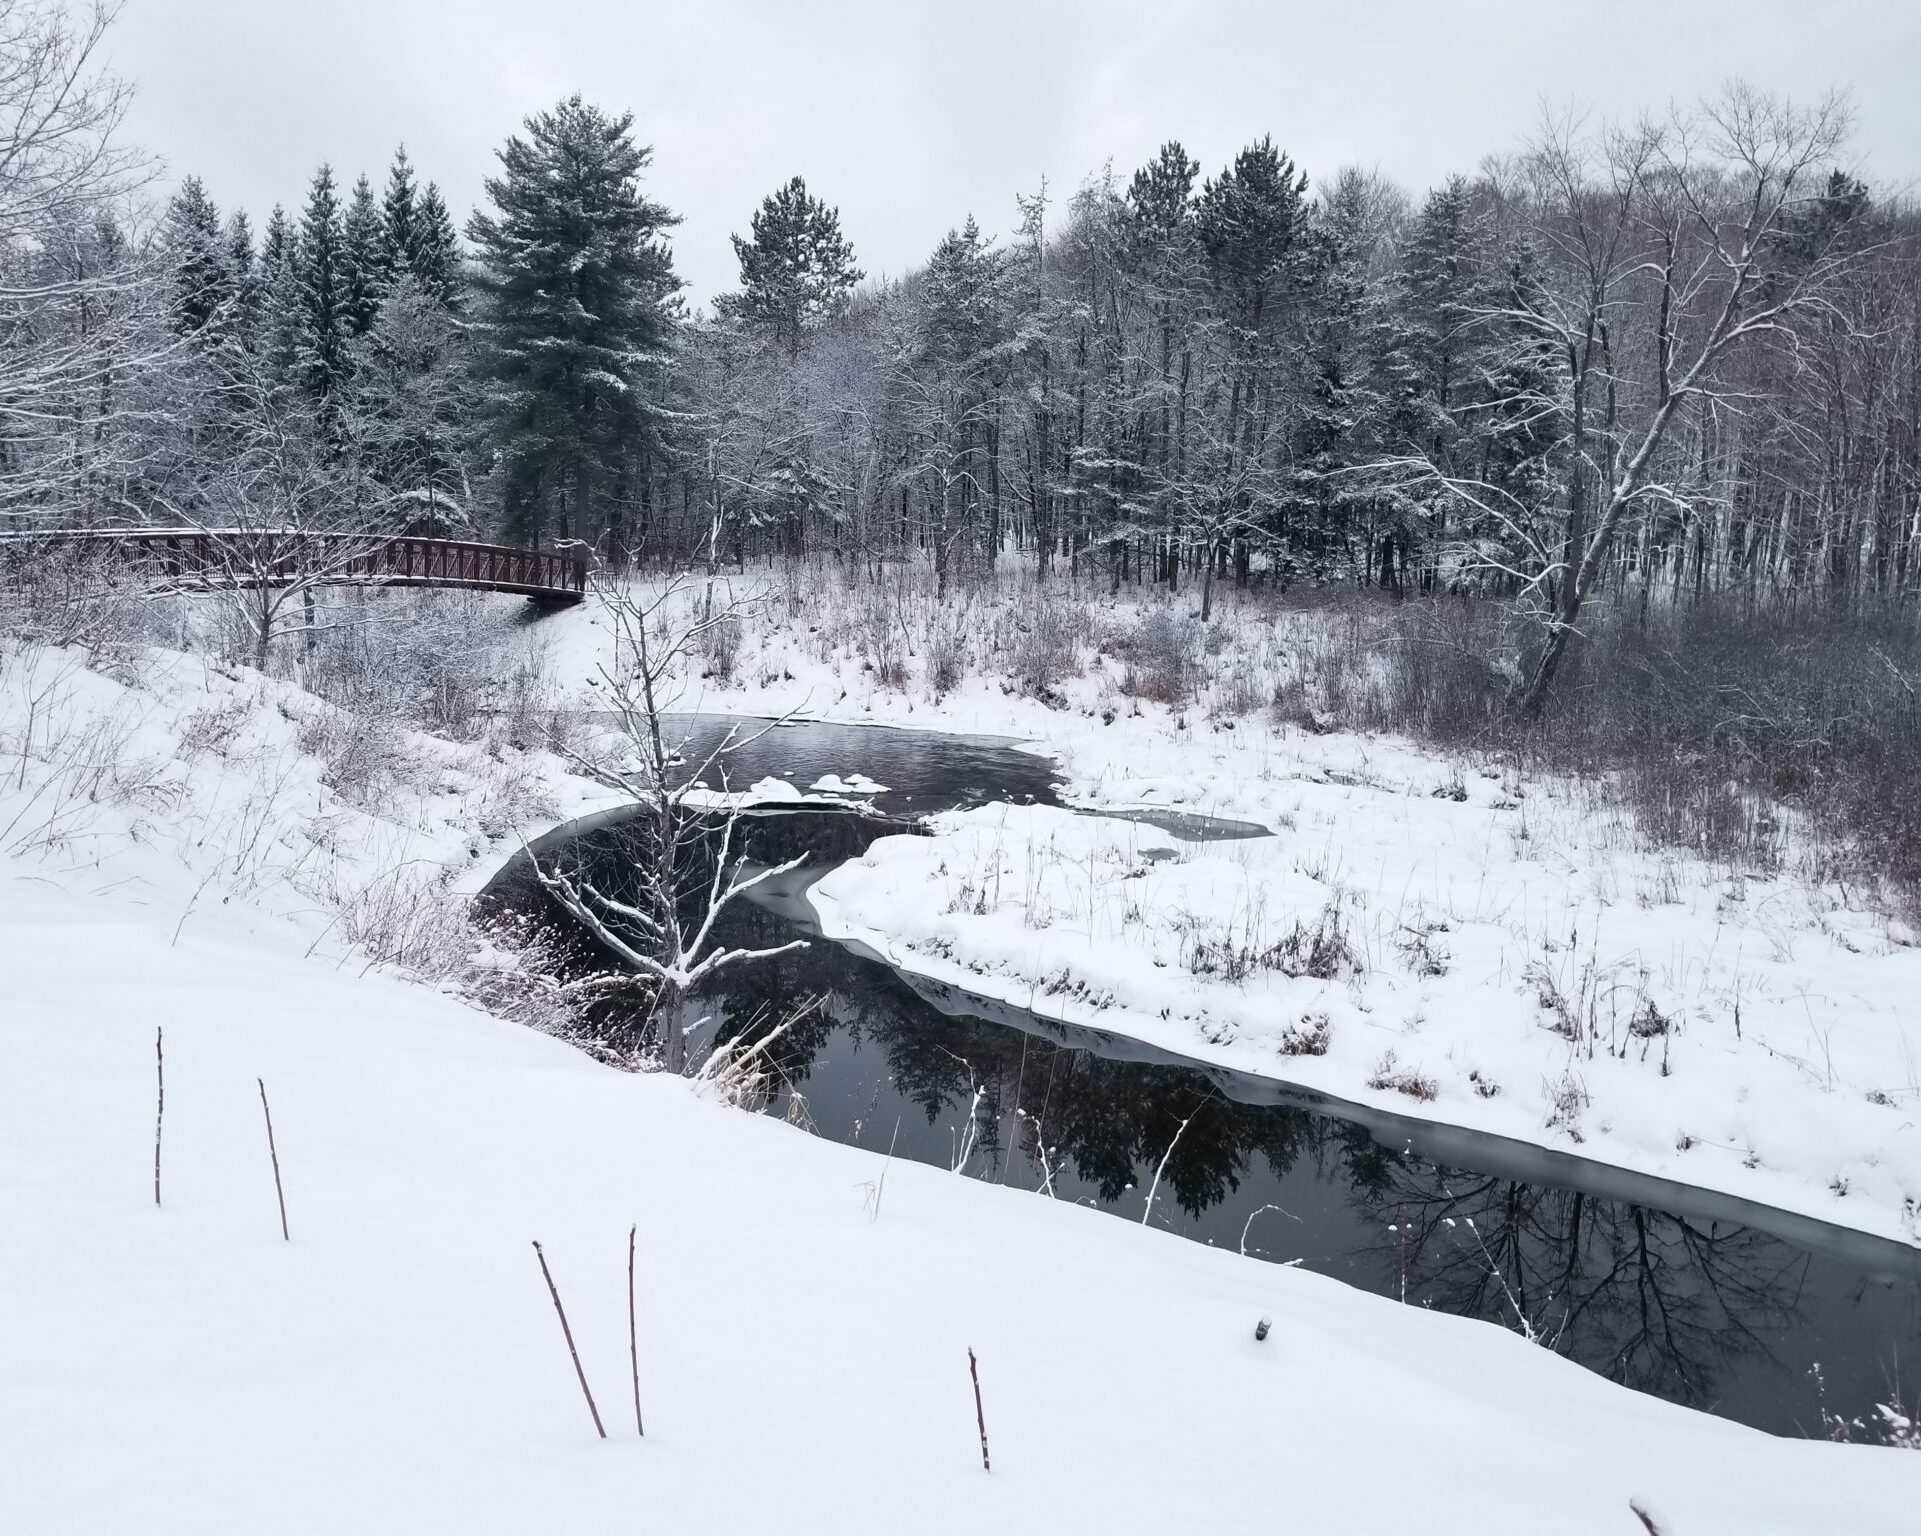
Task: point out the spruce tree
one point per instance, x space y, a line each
575 280
361 255
281 304
244 275
325 322
1438 284
436 259
796 269
202 288
399 219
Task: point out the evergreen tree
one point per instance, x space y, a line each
958 299
399 219
1162 253
796 268
244 275
410 408
202 287
576 281
282 309
1250 221
363 277
964 322
1438 289
325 321
436 259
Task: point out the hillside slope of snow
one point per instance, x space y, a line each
803 1326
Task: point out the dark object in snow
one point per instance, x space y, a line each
980 1418
633 1335
554 1292
160 1107
1260 1328
274 1153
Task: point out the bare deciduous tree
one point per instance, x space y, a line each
687 869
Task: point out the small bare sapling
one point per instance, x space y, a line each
160 1104
274 1154
568 1333
633 1335
980 1415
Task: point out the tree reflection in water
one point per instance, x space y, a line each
1655 1301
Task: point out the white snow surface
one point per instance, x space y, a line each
1790 1072
398 1365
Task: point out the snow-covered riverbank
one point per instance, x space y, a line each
398 1365
1443 940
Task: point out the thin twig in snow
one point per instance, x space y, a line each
980 1414
160 1105
881 1188
633 1334
273 1152
561 1312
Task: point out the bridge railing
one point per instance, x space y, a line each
229 557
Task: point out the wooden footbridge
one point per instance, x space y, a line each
206 559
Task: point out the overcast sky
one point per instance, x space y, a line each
909 115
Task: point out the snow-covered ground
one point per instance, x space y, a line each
1453 944
176 856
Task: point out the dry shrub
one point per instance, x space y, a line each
720 649
1160 654
1310 1036
505 965
1706 721
1389 1073
946 647
1039 641
364 759
1320 949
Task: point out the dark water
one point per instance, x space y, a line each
1695 1298
923 771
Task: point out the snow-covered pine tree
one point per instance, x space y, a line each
795 269
436 257
245 276
325 323
362 272
1163 255
410 409
964 321
575 280
1439 282
399 219
281 306
202 286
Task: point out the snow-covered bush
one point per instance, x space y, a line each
1160 652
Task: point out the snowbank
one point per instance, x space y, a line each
1436 984
398 1365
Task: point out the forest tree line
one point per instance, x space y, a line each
1662 361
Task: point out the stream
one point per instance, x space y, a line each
1740 1310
